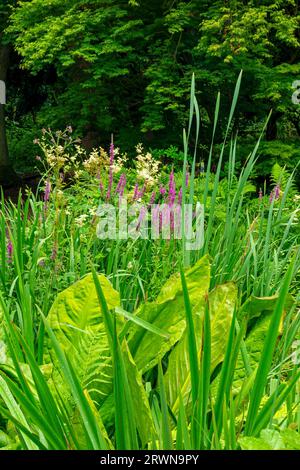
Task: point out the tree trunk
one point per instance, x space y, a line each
6 172
271 132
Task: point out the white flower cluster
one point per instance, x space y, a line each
119 161
147 167
80 221
97 159
56 156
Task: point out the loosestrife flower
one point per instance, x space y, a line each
180 197
136 192
187 175
171 198
47 191
277 191
142 215
101 187
9 251
162 190
47 195
142 192
172 189
54 253
260 194
152 199
157 219
121 185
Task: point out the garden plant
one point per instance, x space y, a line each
112 343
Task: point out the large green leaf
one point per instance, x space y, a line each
15 410
254 345
168 314
76 318
258 311
286 439
255 306
77 322
222 302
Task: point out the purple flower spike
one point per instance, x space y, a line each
180 197
172 189
162 190
100 182
152 199
121 185
187 175
142 192
136 192
260 194
142 215
275 193
9 251
54 253
47 191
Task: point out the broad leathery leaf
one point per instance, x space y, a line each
255 306
77 322
269 440
99 420
254 443
143 415
15 411
77 308
291 439
260 309
254 345
76 319
222 301
168 314
287 439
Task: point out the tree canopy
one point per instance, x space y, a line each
125 66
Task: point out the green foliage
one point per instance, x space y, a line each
77 322
127 65
272 440
166 347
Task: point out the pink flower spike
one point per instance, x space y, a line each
162 190
152 199
172 189
9 251
121 185
47 191
180 197
136 192
187 175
